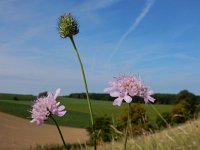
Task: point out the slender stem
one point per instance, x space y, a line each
160 116
86 89
59 131
128 123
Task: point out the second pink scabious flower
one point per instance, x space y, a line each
43 107
125 87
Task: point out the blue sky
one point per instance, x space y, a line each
159 40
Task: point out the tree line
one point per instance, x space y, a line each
160 98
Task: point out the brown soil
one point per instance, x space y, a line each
17 134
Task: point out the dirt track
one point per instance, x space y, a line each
17 133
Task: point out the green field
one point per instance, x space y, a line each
78 114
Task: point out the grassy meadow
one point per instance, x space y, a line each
78 114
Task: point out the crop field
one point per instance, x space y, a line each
78 114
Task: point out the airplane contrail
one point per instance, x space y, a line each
135 23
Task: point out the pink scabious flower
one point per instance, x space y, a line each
45 106
125 87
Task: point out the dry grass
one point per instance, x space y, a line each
183 137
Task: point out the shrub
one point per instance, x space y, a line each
139 120
189 98
103 130
168 118
181 112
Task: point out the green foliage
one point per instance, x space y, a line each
103 130
165 98
181 112
139 120
168 118
185 95
185 109
197 111
188 97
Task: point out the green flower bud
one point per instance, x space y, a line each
68 26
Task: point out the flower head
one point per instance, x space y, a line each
45 106
125 87
68 26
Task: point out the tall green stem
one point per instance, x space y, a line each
128 123
86 89
59 131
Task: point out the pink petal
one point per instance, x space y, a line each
58 103
133 92
32 121
107 89
49 94
150 92
151 99
54 111
146 101
38 122
114 94
127 98
61 113
60 108
57 93
118 101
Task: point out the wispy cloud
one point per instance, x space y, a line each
95 5
90 9
134 25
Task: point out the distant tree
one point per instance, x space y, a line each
188 97
165 98
42 94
